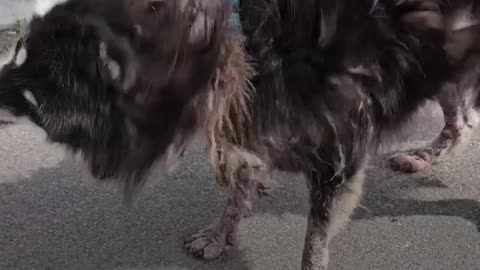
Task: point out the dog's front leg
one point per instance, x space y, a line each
245 174
332 201
460 119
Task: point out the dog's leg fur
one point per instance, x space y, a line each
459 118
457 99
331 206
245 174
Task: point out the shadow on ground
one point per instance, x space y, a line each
54 221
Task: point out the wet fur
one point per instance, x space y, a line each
311 87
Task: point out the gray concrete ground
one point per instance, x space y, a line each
11 10
51 219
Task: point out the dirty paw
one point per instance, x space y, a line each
410 163
206 245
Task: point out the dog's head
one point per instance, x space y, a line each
114 79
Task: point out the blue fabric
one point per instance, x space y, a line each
234 20
234 3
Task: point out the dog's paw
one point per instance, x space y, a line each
410 163
206 245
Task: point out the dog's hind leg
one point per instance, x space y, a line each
332 201
457 101
460 117
245 174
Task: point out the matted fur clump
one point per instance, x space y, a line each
309 86
227 106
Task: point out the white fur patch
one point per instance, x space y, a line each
42 7
112 65
21 57
114 69
346 202
6 116
473 118
29 96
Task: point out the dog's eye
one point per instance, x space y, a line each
155 5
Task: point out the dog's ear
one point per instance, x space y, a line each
117 64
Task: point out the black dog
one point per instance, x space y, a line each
312 86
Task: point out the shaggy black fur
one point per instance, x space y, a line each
308 73
119 81
112 79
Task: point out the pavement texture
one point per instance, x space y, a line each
51 219
11 10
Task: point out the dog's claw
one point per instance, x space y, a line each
205 245
409 163
264 191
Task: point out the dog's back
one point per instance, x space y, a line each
330 70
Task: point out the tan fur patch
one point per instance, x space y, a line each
345 203
227 104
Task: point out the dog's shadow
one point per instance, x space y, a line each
378 204
381 199
54 221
